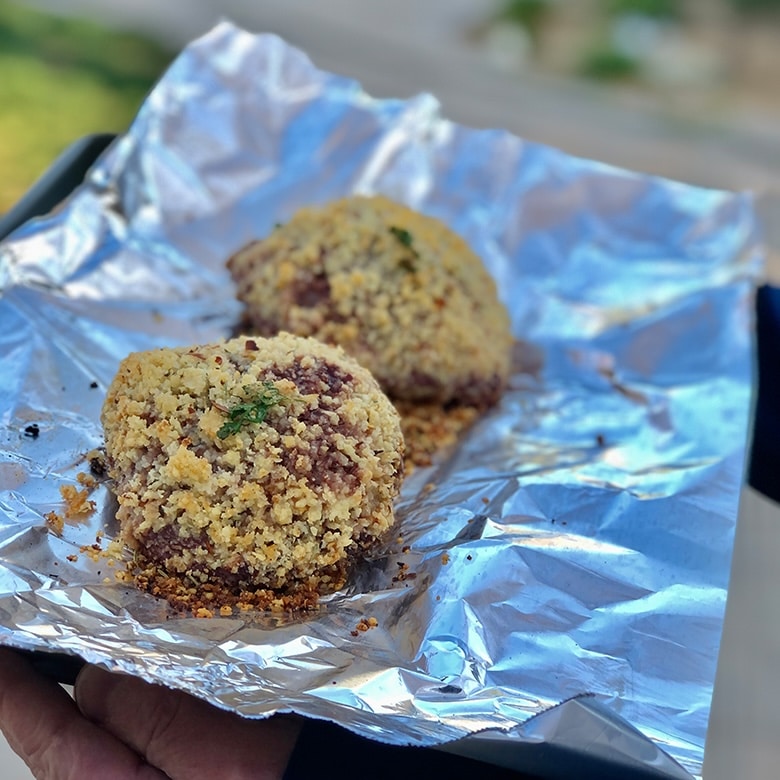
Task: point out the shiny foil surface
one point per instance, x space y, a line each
577 540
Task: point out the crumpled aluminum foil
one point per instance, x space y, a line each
578 539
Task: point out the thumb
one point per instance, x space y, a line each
43 725
183 736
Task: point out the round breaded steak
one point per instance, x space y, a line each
253 463
399 290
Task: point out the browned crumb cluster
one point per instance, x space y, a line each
55 522
251 472
207 599
363 625
403 573
78 504
429 427
87 480
399 290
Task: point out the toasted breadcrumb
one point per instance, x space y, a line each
55 522
430 428
87 480
193 596
364 624
93 551
78 504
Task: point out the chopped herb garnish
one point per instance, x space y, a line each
403 235
252 411
406 239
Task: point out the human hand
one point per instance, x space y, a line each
123 728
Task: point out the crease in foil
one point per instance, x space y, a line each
576 541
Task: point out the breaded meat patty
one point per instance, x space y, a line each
252 463
400 291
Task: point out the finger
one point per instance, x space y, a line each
43 725
183 736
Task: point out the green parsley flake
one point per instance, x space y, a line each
405 238
253 411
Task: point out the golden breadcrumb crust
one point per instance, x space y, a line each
212 496
400 291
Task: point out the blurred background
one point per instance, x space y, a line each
681 88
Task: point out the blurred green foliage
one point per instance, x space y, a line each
528 13
656 9
756 5
62 78
607 64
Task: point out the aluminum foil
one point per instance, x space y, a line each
577 540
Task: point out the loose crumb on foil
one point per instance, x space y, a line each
86 480
78 504
363 625
403 574
55 522
430 428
